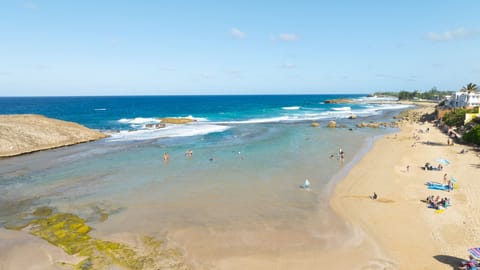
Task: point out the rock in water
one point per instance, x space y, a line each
332 124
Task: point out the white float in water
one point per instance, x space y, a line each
307 184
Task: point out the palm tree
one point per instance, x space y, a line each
471 87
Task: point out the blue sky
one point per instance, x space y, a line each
236 47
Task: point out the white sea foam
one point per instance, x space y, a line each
139 120
169 131
342 109
152 120
100 109
377 99
291 108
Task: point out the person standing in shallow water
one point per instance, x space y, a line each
166 156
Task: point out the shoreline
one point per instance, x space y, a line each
411 235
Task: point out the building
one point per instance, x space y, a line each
470 116
464 99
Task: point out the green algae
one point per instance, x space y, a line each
71 233
43 211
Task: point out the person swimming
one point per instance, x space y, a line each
307 184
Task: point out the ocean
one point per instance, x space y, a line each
239 191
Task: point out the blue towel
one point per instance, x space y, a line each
438 187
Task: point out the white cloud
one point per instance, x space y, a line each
233 71
410 78
30 5
234 32
288 66
288 37
452 34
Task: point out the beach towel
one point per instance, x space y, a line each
437 187
475 252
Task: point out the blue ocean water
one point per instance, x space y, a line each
213 113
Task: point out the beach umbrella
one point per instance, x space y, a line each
475 252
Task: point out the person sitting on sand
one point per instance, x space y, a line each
374 196
469 265
440 167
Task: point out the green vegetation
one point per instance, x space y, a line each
432 94
471 87
473 136
456 118
71 233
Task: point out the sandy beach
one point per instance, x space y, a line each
26 133
413 235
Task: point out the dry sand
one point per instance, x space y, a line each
25 133
413 235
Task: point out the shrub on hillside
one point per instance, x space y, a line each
456 118
473 136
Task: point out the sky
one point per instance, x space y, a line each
165 47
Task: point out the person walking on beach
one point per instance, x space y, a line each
445 179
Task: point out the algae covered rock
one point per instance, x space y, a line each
71 233
332 124
172 120
315 124
43 211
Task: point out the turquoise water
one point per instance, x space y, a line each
244 177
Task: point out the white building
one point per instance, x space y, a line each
464 99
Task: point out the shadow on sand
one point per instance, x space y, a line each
434 143
454 262
475 166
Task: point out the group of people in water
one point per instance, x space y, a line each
166 156
341 155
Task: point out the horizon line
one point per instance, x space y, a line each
186 95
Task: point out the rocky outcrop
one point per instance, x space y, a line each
338 100
157 125
353 116
315 124
377 124
332 124
172 120
25 133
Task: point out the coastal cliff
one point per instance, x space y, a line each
25 133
